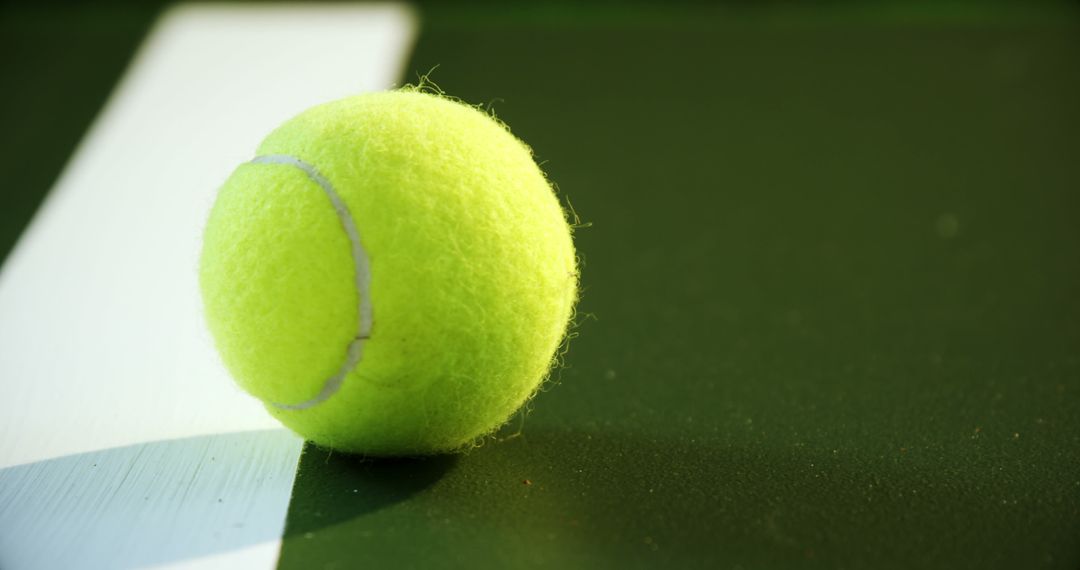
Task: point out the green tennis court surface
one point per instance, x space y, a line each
829 316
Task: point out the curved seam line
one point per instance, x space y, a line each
355 350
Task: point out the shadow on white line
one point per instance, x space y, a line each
147 504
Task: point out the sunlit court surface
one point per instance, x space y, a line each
827 311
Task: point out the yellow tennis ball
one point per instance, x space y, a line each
391 274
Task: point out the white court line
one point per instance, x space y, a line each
102 342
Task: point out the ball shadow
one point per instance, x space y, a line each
334 487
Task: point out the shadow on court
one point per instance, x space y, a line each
335 487
581 499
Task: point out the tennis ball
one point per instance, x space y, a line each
391 274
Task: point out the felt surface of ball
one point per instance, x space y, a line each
391 275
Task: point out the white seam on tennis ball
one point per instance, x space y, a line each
363 279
